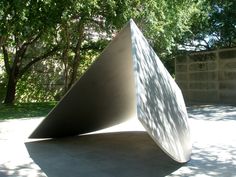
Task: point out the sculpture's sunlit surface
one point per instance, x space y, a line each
127 80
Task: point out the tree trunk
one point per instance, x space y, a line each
77 57
74 70
15 71
65 63
11 89
12 72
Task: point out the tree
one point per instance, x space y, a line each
212 27
36 30
26 36
87 26
163 22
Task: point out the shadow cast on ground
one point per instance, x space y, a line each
118 154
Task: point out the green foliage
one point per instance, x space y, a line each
45 81
69 35
25 110
213 26
85 27
27 35
23 19
42 83
164 23
222 23
86 62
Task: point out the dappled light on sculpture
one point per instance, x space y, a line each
127 80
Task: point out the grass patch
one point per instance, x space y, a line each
24 110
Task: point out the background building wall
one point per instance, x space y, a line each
208 77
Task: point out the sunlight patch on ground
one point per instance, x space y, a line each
15 160
214 142
132 124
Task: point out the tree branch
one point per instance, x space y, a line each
207 44
1 41
32 40
37 59
77 52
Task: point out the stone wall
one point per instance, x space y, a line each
208 77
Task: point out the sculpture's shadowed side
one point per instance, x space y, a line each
104 96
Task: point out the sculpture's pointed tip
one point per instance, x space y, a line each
131 21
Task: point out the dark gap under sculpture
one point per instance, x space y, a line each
128 79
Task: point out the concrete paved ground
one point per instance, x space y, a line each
126 153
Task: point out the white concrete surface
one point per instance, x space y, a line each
131 153
214 142
160 103
14 157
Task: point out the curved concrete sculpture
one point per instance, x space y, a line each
127 80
